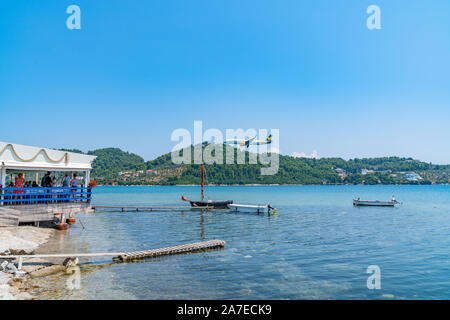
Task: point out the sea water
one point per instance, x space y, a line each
317 246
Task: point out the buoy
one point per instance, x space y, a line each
70 220
274 211
61 226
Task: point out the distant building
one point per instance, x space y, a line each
151 172
366 171
341 173
140 171
412 176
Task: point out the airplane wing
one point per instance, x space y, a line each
240 142
248 142
268 140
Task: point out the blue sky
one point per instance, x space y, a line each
137 70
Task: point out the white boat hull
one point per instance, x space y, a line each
249 208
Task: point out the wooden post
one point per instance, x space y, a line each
19 264
87 178
89 190
3 179
203 179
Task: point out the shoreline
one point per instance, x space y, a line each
267 185
18 284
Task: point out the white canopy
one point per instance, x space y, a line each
20 157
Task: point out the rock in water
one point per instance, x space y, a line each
70 262
3 265
47 271
11 268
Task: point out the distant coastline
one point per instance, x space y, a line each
116 167
266 185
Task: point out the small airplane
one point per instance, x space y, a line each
247 142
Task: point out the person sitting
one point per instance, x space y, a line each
34 185
54 185
27 186
46 181
74 184
10 185
65 182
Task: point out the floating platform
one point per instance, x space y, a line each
142 208
235 207
186 248
130 256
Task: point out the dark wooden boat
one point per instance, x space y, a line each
212 204
209 204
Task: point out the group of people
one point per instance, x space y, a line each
46 182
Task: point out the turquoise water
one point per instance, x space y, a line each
318 246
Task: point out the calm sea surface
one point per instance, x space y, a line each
318 246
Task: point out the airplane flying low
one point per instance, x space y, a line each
248 142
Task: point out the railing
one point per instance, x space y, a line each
26 196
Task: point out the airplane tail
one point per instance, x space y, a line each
269 138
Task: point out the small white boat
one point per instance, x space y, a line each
367 203
251 208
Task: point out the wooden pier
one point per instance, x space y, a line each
141 208
185 248
130 256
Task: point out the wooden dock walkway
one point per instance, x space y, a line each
142 208
130 256
185 248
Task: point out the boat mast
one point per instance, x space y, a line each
203 179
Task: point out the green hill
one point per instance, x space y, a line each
162 171
111 161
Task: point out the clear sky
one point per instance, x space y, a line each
137 70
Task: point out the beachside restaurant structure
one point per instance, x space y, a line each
36 204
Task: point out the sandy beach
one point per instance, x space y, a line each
16 285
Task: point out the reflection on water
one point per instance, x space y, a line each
317 247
